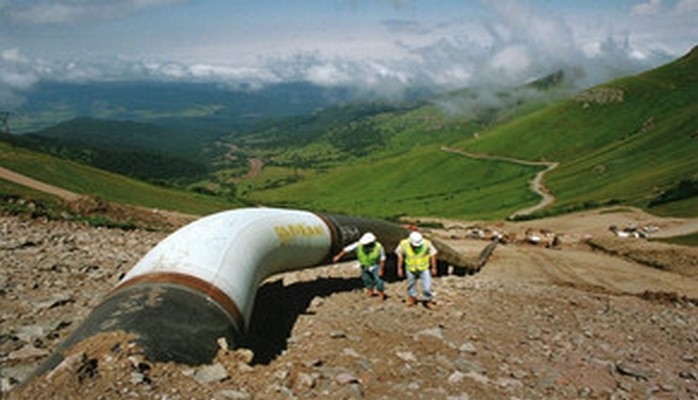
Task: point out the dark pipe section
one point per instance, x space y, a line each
170 322
347 229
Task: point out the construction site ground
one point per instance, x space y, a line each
592 316
614 320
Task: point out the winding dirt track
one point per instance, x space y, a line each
537 186
688 227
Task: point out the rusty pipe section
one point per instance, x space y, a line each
199 284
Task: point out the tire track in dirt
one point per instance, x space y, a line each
37 185
580 267
537 186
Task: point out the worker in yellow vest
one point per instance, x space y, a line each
371 256
418 256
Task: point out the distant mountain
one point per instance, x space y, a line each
362 128
148 130
125 135
161 128
624 141
201 106
630 141
138 150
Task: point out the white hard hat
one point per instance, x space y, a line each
416 239
367 238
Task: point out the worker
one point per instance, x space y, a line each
418 256
371 257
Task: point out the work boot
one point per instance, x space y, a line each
411 301
429 304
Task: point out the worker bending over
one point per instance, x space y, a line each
371 256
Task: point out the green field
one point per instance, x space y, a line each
412 184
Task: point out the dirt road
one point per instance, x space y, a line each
87 204
688 227
37 185
256 165
575 264
537 186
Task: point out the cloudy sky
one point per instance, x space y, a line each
382 45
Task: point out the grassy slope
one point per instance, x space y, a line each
410 176
408 184
86 180
624 151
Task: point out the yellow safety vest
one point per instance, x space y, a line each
416 261
368 259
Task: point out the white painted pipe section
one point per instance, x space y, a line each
236 250
199 284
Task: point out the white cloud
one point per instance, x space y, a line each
359 3
16 72
64 11
18 80
514 44
687 6
12 55
405 26
511 61
328 74
16 77
652 7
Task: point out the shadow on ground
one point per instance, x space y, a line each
277 308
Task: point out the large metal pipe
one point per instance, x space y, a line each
199 283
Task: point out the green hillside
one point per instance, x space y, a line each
87 180
631 141
625 142
408 174
409 184
138 150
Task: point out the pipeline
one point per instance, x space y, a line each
199 283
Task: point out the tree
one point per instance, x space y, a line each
5 118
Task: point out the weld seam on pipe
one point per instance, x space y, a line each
198 285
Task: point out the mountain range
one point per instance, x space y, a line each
471 153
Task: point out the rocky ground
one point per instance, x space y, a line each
617 319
